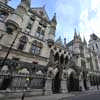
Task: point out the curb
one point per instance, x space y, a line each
81 94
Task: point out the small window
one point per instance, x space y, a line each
29 26
38 29
22 42
16 59
93 47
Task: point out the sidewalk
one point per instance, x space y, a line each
50 97
56 96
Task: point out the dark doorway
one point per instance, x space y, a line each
6 83
85 81
73 83
56 84
85 84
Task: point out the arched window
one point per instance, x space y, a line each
66 59
56 57
51 58
23 41
61 59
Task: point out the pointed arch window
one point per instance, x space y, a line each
56 57
22 42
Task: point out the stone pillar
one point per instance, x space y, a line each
48 87
88 84
81 84
64 86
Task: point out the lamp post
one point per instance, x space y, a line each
9 49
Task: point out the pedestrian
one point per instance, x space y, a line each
23 95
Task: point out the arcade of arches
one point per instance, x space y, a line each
75 79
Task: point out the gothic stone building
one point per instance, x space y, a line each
30 56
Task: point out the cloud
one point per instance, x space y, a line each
82 14
90 19
68 14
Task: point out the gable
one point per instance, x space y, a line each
41 12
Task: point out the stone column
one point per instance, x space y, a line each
88 84
64 86
48 87
81 84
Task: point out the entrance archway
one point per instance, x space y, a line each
56 83
5 83
73 81
6 79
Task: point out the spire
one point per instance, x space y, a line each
65 42
25 3
75 34
59 41
54 18
44 6
85 41
79 37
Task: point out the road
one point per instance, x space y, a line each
84 97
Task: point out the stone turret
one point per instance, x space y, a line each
76 43
24 6
54 20
64 42
53 25
75 34
15 20
85 43
51 36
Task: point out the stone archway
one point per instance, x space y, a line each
56 83
6 81
73 81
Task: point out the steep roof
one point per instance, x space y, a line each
59 41
5 7
40 11
69 44
94 36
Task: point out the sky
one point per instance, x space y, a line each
84 15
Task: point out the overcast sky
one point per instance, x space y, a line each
84 15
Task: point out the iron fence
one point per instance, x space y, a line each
21 81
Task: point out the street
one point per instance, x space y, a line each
84 97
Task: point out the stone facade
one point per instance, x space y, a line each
28 49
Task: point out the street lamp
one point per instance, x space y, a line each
9 49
